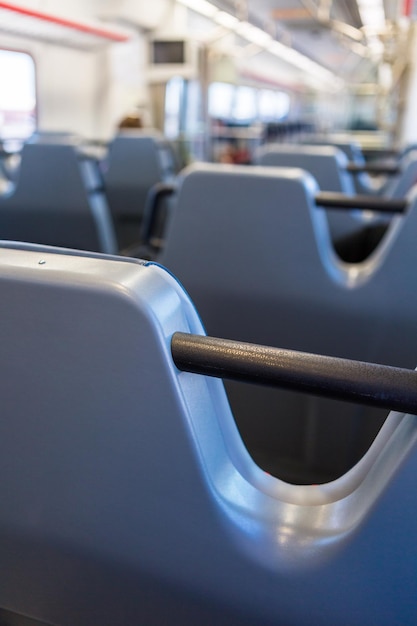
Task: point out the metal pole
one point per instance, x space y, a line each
373 168
355 381
336 200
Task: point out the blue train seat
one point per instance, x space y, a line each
331 174
8 164
256 257
350 147
326 163
355 233
392 186
127 495
328 166
362 182
57 198
136 161
400 184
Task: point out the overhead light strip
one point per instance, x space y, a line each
201 6
257 36
372 13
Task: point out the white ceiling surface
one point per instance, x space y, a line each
293 23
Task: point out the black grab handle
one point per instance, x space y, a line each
373 168
152 207
336 200
392 388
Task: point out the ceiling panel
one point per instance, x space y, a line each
332 42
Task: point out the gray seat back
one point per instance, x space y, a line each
361 181
136 161
57 200
399 185
9 162
326 163
350 148
254 254
127 496
395 186
328 166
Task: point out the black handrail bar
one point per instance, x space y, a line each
152 206
336 200
380 153
373 168
392 388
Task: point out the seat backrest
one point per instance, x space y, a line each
328 166
399 185
136 161
254 254
92 403
126 494
9 162
57 200
361 181
350 148
407 148
326 163
5 182
395 186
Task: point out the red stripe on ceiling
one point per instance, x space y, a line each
61 21
408 5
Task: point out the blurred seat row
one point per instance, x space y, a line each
66 192
261 258
135 490
110 187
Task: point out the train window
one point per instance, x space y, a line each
283 104
245 107
193 107
267 105
173 106
273 105
17 96
221 97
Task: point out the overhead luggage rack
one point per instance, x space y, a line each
56 29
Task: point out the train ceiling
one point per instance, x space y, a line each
16 19
341 35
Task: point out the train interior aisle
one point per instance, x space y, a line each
207 253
